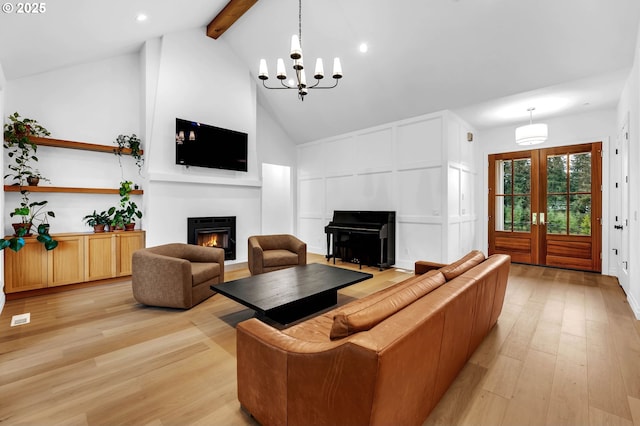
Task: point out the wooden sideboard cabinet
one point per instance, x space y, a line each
79 257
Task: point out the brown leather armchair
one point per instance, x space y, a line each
272 252
176 275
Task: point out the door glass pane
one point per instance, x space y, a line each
504 220
580 214
522 176
580 172
522 213
504 177
556 214
556 173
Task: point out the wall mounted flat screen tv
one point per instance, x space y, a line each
203 145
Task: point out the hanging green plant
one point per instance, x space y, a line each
134 144
20 149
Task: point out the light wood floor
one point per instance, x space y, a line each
566 350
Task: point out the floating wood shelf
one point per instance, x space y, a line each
59 143
14 188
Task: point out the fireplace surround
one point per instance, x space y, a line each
217 231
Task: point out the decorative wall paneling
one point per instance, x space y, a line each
422 168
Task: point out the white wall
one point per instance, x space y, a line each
94 103
629 106
186 75
462 218
417 167
592 126
276 147
277 199
276 153
200 79
2 114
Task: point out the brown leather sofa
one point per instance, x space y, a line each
385 359
176 275
272 252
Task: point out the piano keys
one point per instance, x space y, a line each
362 237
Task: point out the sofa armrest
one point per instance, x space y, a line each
283 380
423 266
154 278
262 354
300 248
255 257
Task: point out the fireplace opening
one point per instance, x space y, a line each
217 232
213 238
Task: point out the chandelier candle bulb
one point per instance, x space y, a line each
319 69
303 79
296 50
281 73
263 73
337 68
297 64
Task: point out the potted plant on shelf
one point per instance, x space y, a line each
128 212
35 177
18 130
134 144
30 213
97 220
21 149
117 220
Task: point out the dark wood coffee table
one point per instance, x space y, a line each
288 295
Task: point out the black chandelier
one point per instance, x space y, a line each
296 55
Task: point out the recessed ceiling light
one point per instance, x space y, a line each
141 17
363 47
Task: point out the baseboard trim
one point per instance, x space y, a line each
635 306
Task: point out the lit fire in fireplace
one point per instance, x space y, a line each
212 242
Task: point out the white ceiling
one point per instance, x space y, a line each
487 60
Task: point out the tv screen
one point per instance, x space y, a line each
203 145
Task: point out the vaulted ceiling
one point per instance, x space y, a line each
487 60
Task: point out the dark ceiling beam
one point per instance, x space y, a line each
227 16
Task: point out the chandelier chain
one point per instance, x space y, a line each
300 21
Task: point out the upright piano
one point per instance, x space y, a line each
362 237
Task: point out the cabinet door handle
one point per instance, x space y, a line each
541 218
534 218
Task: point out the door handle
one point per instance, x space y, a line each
534 218
617 226
541 218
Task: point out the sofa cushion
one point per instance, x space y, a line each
203 271
279 258
462 265
346 324
318 328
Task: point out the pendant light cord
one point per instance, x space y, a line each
530 115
